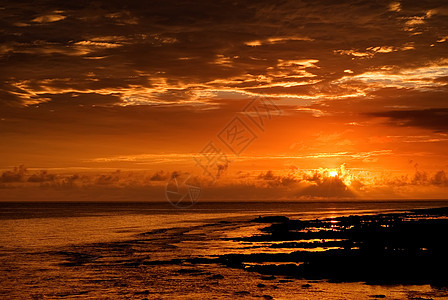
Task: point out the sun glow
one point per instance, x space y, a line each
333 173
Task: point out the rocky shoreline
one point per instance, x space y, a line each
398 248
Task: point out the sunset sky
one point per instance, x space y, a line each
103 100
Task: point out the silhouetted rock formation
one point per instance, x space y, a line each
406 248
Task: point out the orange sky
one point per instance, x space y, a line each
92 87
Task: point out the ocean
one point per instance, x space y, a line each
86 250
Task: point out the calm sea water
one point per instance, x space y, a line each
95 250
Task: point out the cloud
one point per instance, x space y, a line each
395 6
97 44
328 187
433 119
289 184
16 175
371 51
440 179
311 183
194 54
275 40
419 78
48 18
160 176
22 177
103 84
41 176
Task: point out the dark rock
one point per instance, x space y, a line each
77 259
156 231
397 248
201 260
133 263
271 219
162 262
216 276
231 260
285 280
145 292
283 269
188 271
242 293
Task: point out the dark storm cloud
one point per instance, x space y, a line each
435 119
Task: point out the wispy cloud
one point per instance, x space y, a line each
50 18
275 40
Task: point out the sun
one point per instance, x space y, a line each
333 173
